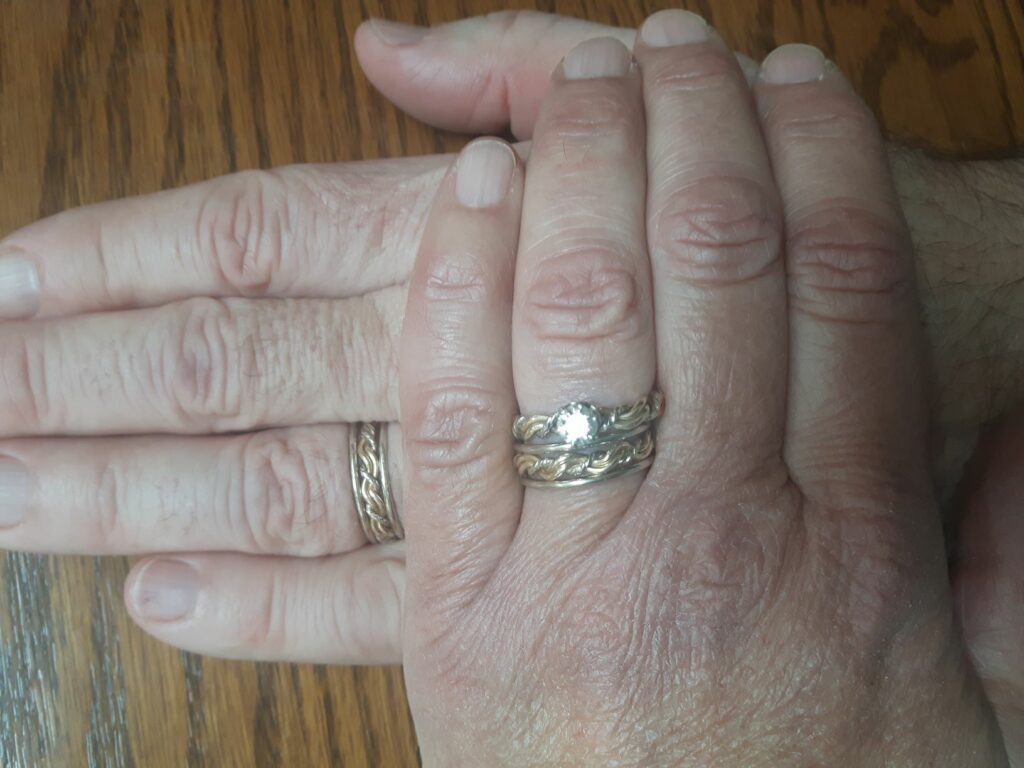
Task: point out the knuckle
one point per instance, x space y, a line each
834 117
460 277
593 111
246 225
512 25
366 616
723 230
109 499
992 624
286 496
367 344
451 435
587 294
846 264
591 641
266 627
24 371
870 561
728 570
703 69
202 375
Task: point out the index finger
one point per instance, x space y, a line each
318 231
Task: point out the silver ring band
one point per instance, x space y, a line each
541 449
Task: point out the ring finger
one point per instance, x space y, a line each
280 492
582 320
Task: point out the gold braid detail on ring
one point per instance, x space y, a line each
577 468
611 421
375 506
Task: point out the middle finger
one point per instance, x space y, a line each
714 224
202 366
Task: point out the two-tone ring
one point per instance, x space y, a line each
578 444
371 487
582 443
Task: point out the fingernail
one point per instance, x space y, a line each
484 173
166 590
600 57
396 33
19 287
667 28
751 69
15 492
793 63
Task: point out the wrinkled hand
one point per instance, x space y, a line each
339 241
774 591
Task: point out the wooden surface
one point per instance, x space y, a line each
104 98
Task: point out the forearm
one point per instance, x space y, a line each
967 223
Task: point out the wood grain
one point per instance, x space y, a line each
106 98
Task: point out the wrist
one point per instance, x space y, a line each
967 224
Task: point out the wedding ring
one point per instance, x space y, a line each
580 422
375 506
564 469
582 443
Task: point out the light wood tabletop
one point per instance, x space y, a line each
101 99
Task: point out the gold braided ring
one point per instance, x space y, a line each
375 506
563 469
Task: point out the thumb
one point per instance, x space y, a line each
989 579
477 75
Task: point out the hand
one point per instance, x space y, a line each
988 577
220 326
378 203
774 591
965 217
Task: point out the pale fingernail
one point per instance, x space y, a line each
484 173
396 33
15 492
166 590
600 57
793 63
19 287
751 69
667 28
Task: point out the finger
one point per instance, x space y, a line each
714 224
857 411
345 609
478 75
303 231
462 495
989 578
202 366
279 492
582 323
